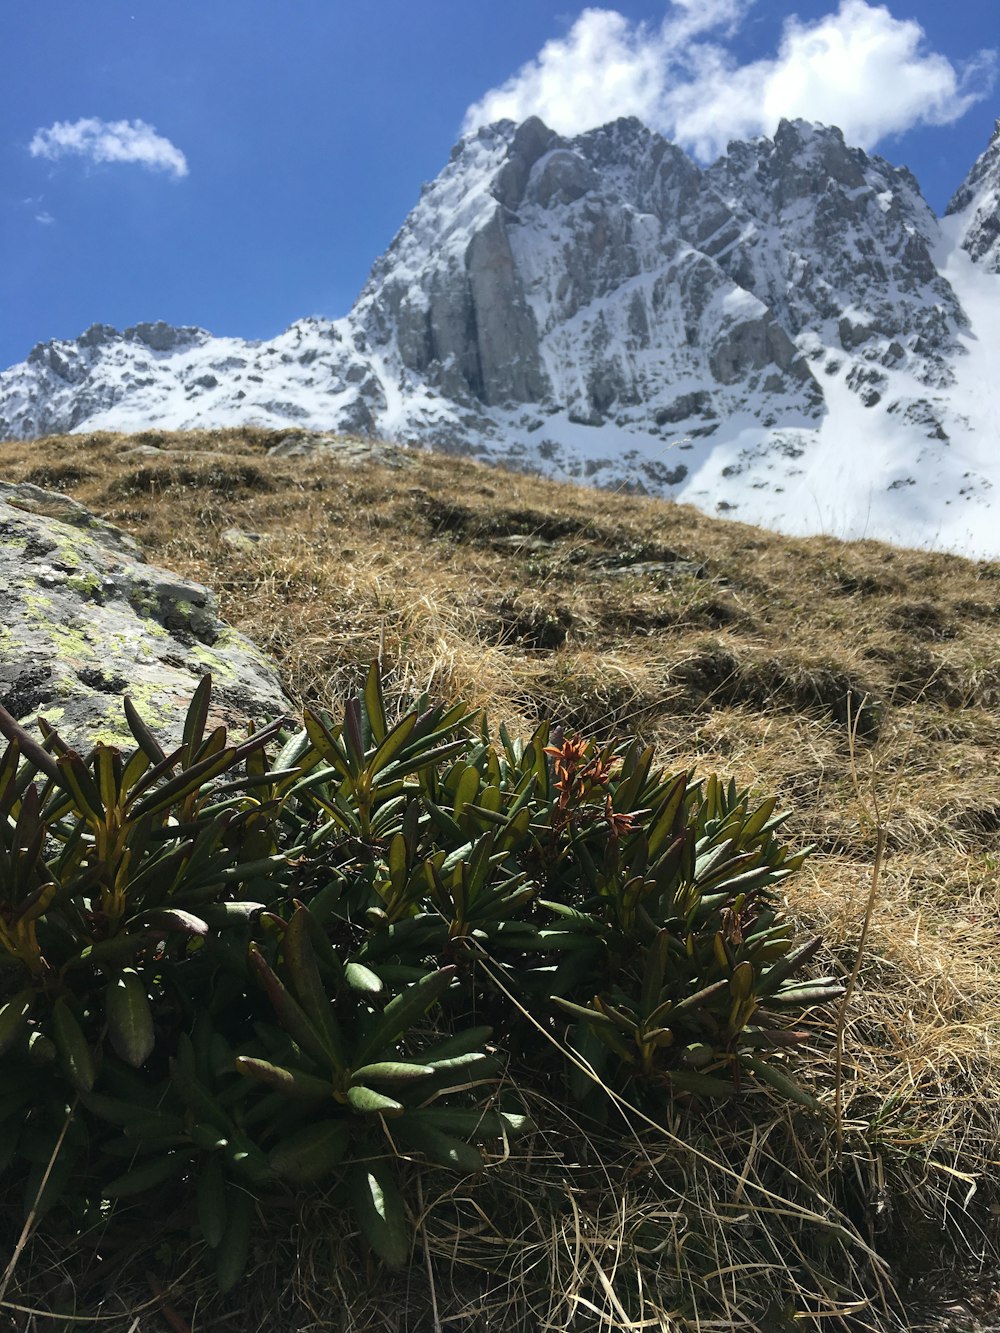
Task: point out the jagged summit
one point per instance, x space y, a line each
977 200
783 335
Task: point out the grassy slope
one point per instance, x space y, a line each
734 649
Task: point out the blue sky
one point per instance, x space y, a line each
238 164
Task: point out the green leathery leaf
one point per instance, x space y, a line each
147 742
785 967
294 1082
757 820
28 746
415 757
292 755
701 1085
363 979
211 1200
467 1042
134 770
391 745
741 982
75 777
213 744
663 824
77 1059
403 1011
233 1250
107 766
148 1176
195 1096
583 920
390 1071
634 772
9 763
303 971
466 789
820 991
378 1207
398 858
185 783
781 1083
197 716
441 1148
310 1154
326 741
701 997
14 1015
581 1011
656 962
655 1036
290 1013
564 939
375 704
118 947
370 1102
171 919
353 736
129 1017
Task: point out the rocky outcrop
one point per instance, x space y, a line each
837 244
84 620
977 199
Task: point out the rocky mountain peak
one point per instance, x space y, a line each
161 337
839 244
600 306
977 200
532 139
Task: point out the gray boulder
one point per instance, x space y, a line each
84 620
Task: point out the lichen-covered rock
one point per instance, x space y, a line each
84 620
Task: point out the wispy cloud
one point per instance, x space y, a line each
45 218
110 141
860 68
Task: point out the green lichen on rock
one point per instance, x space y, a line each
86 585
86 620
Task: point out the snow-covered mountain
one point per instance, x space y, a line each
790 337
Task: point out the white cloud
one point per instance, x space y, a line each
109 141
45 218
859 68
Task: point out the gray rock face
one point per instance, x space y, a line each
592 277
978 198
582 305
84 620
596 274
530 141
838 244
506 338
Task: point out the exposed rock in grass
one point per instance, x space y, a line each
84 620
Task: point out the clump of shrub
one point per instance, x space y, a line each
308 957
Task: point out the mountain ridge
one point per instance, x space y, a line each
789 335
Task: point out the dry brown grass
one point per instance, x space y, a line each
734 649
